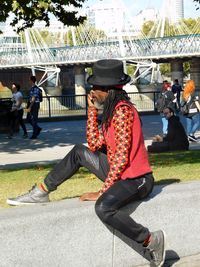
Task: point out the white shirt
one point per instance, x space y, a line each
15 99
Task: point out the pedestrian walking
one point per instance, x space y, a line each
17 111
176 90
33 107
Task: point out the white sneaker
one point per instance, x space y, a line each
33 196
157 248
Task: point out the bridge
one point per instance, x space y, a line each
172 43
155 49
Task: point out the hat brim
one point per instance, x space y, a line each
94 80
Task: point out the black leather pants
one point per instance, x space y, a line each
108 206
79 156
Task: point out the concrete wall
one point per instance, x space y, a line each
68 233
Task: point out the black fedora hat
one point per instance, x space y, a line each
108 72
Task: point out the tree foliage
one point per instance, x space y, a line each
25 12
192 25
84 34
147 26
197 5
150 28
165 69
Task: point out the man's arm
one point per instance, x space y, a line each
197 105
31 104
122 121
95 136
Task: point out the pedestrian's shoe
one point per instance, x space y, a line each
192 138
157 248
38 131
33 137
34 196
25 135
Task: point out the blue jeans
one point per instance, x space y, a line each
192 124
32 118
165 124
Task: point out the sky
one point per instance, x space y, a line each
134 6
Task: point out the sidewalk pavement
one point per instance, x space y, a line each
57 138
73 236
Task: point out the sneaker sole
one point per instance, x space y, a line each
16 203
164 245
192 139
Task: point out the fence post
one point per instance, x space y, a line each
49 103
154 100
86 105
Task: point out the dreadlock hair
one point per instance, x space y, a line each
113 98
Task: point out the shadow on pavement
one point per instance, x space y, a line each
52 134
172 257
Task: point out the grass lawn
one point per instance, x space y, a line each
167 168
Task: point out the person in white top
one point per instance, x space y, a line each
16 113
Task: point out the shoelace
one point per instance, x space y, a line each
28 191
153 256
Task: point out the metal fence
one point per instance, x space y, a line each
76 105
73 105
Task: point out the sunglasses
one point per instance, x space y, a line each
166 113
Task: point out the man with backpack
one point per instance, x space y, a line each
33 107
165 99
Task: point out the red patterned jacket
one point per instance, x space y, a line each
127 155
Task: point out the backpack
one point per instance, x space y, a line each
164 100
160 103
40 95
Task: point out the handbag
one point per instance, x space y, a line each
184 109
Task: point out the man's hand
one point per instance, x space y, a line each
157 138
13 109
92 196
90 101
27 110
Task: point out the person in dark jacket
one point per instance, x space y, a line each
33 108
176 90
176 138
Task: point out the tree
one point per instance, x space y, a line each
25 12
85 34
151 29
192 25
198 1
131 69
165 69
147 26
